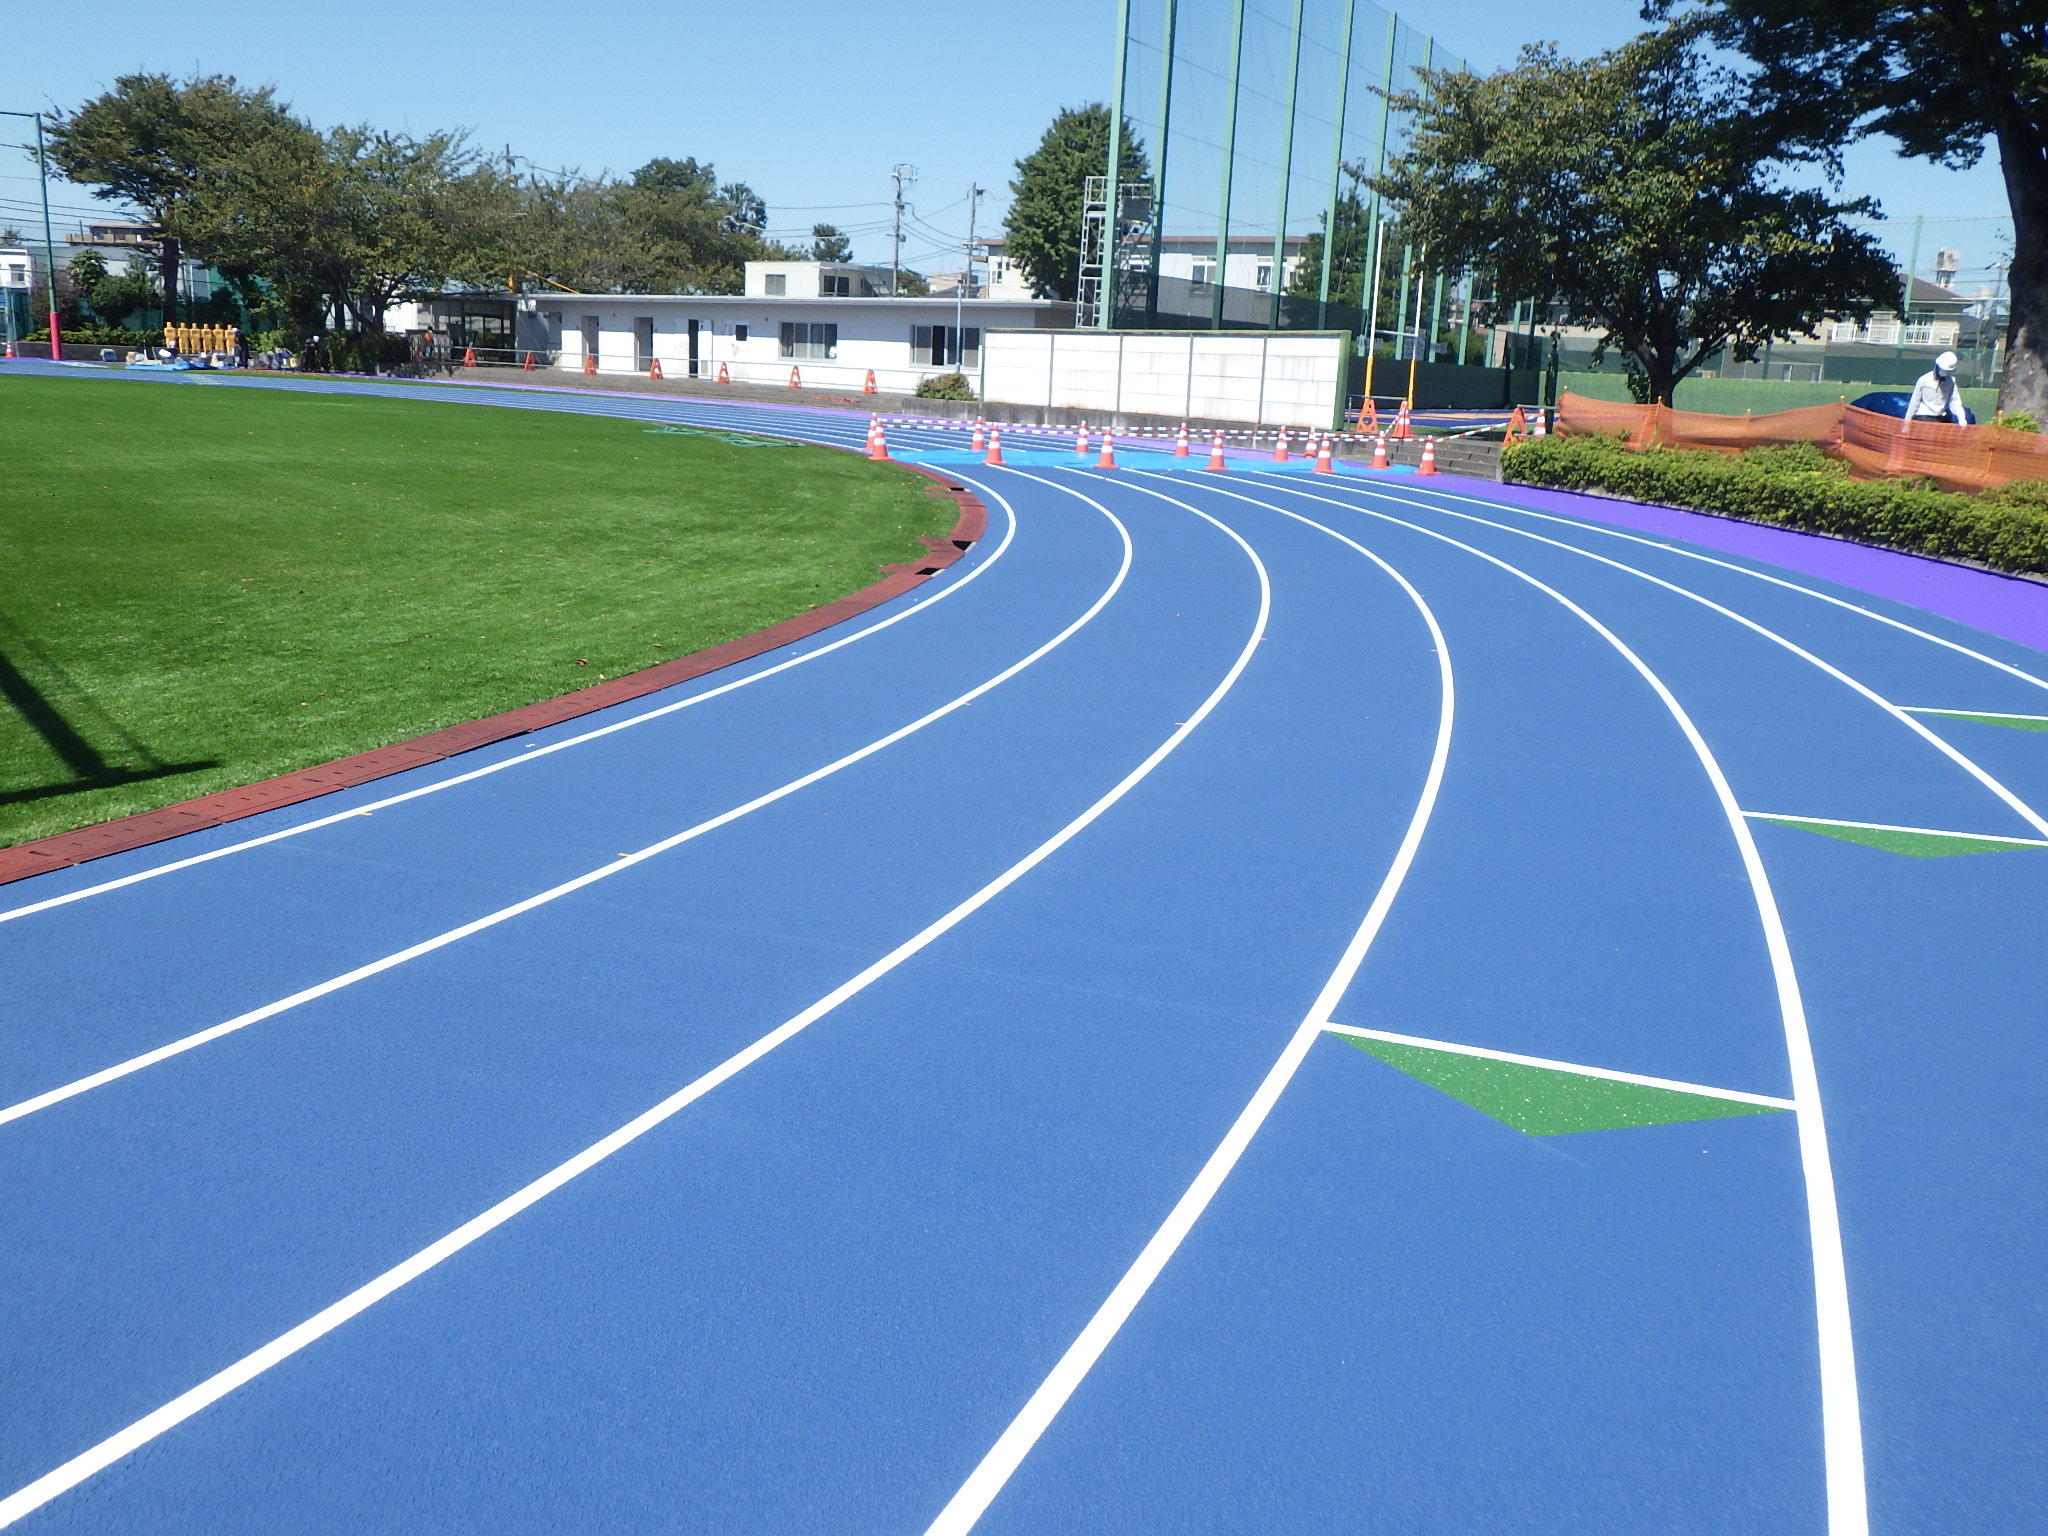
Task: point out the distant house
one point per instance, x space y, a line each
1247 263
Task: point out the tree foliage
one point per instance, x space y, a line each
1634 194
311 227
1042 236
829 243
153 142
1943 81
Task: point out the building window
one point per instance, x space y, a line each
940 346
1264 273
590 335
836 285
776 284
1204 272
807 340
739 333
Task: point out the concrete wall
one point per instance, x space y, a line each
1290 378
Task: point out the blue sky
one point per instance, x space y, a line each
809 102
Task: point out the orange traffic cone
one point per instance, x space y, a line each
796 378
1428 457
1518 426
1280 447
878 444
10 349
654 369
1108 458
590 362
1369 419
1379 453
1180 447
1216 453
995 450
723 376
1323 464
1081 444
1539 425
528 364
1401 429
980 436
469 357
868 388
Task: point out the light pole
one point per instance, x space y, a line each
49 239
904 175
966 281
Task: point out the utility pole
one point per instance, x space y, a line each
49 239
960 294
905 176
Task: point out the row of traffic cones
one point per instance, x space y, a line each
989 444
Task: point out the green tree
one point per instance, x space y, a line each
828 243
1942 81
1042 235
113 299
152 141
1633 193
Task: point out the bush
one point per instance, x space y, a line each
2018 421
945 386
1797 486
100 336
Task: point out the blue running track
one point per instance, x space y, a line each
996 1065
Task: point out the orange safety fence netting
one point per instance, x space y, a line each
1873 445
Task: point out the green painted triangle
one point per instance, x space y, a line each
1548 1101
2010 722
1913 843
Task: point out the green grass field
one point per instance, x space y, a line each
202 586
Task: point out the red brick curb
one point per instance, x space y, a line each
25 859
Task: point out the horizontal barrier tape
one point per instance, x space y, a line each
1872 444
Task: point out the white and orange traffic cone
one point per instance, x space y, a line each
868 385
590 362
796 378
878 444
1323 464
654 370
1180 446
1216 454
1539 426
1379 453
1428 457
1081 443
723 376
1402 432
980 443
1107 460
469 357
1280 447
995 450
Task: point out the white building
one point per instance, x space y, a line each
1247 263
820 319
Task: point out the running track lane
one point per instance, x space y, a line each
823 1290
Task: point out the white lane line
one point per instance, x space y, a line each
1015 1443
1841 1410
1970 714
1954 754
1743 570
252 1365
623 862
1577 1069
1885 826
946 591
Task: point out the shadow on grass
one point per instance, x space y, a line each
89 769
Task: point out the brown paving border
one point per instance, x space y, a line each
68 848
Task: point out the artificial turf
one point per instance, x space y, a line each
203 586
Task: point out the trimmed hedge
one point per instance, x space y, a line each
1799 487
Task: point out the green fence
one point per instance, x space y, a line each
1733 397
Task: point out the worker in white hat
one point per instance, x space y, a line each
1935 397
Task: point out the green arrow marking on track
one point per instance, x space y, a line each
1914 842
1550 1101
2010 722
